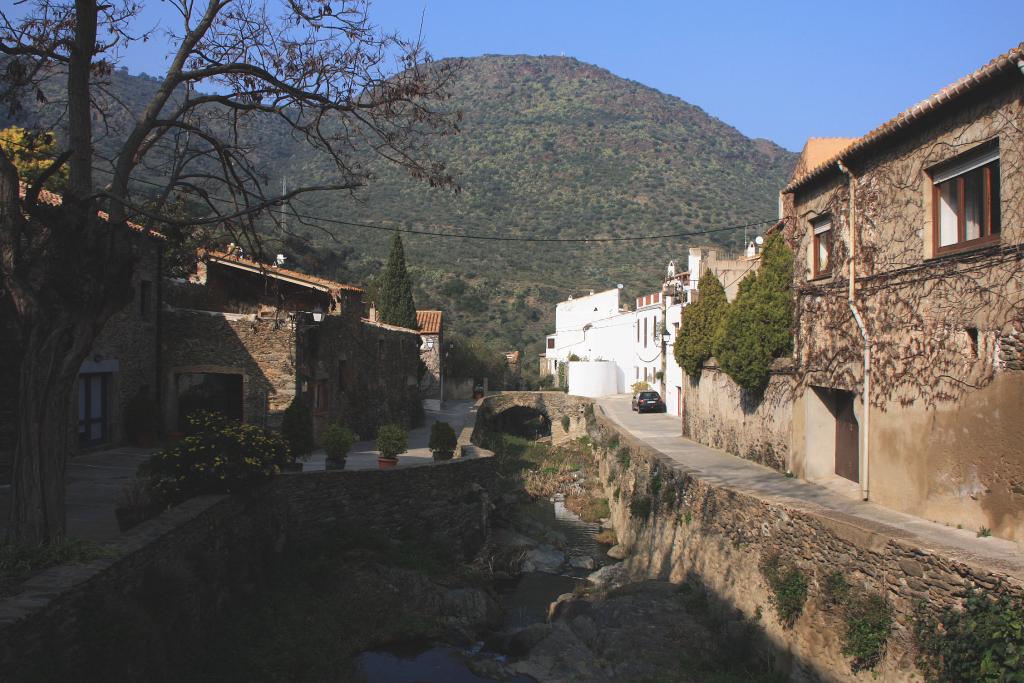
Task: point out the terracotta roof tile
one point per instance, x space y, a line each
429 321
1000 64
278 273
54 199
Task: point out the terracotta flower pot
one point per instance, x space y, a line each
386 463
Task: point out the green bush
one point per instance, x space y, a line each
623 456
836 589
700 320
218 456
868 620
983 641
757 326
637 387
788 585
392 440
442 441
297 428
566 422
337 441
640 507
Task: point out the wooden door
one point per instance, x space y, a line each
847 437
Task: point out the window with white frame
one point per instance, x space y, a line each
965 201
822 247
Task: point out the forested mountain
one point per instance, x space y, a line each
549 147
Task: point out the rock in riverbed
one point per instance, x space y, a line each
618 552
543 558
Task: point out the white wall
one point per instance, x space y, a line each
593 328
674 375
647 351
592 378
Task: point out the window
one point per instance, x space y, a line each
965 201
972 342
145 288
645 332
822 247
551 343
638 331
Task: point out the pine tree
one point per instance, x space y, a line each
395 304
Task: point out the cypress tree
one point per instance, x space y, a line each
700 322
395 302
757 327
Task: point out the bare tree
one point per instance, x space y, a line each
318 71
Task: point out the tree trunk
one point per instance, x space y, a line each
43 444
79 100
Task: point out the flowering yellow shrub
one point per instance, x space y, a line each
219 455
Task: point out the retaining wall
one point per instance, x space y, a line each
168 580
718 413
720 535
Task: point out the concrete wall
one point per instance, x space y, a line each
720 534
945 427
156 599
718 413
593 378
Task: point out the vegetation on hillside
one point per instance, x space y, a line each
549 147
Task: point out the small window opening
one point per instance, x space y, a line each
972 339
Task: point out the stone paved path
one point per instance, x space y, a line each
96 480
663 433
95 483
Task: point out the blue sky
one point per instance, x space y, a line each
783 71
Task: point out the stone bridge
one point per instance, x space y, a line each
498 410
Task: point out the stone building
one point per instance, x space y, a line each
909 307
120 372
246 338
431 329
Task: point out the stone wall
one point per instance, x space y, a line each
169 579
553 404
262 351
719 536
718 413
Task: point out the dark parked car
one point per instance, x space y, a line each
648 402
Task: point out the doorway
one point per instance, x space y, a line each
214 391
847 437
832 435
93 412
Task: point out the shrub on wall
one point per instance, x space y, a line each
699 321
219 456
566 423
297 427
984 641
757 326
788 587
868 621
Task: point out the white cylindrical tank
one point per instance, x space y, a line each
592 378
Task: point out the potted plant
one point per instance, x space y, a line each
337 441
442 441
392 439
297 430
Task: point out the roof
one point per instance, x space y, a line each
277 273
972 81
394 328
817 151
429 321
54 199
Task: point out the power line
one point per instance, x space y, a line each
455 235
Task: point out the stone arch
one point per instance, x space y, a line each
496 411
